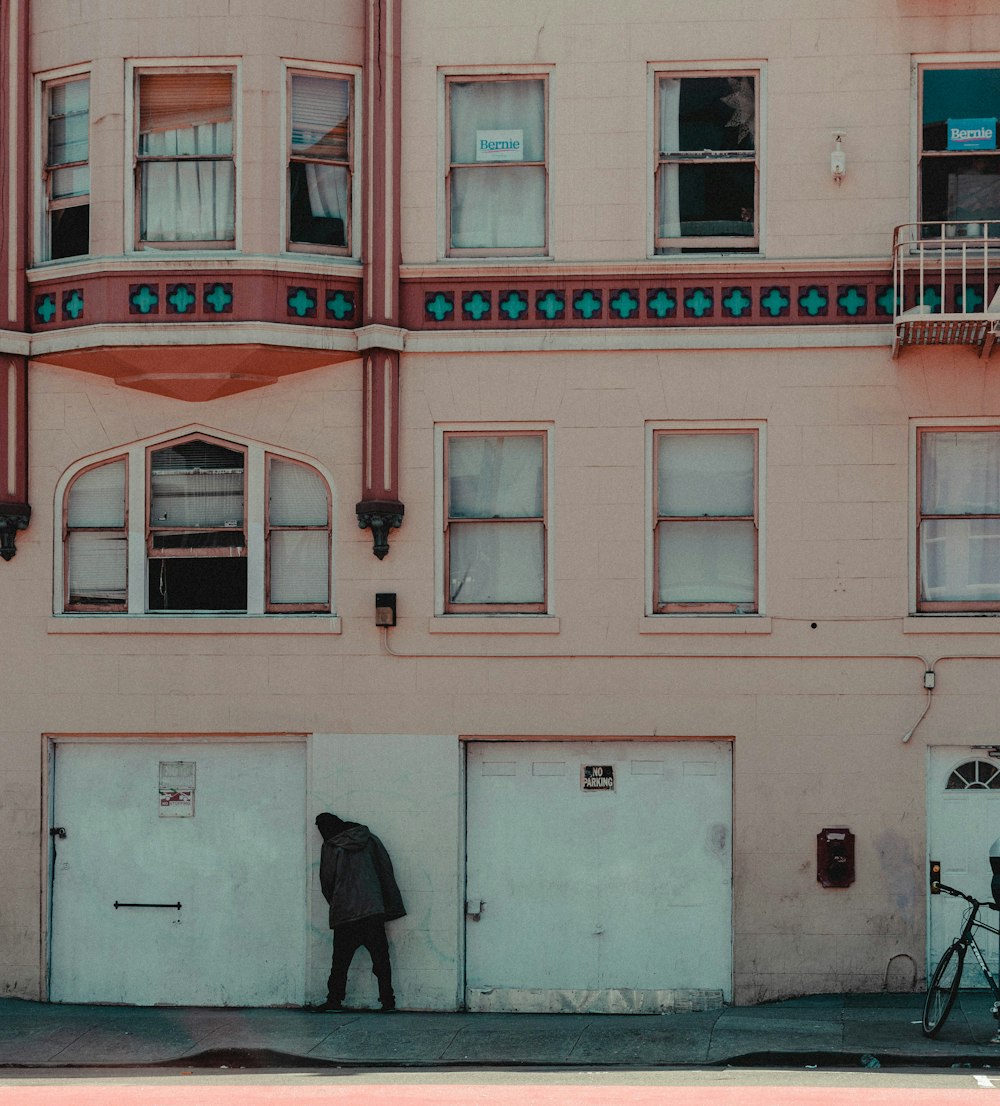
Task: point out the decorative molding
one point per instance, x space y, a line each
670 298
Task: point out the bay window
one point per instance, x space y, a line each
958 519
495 522
705 528
496 173
184 161
706 163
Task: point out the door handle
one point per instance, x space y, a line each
474 909
151 905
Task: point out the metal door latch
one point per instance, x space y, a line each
57 831
474 909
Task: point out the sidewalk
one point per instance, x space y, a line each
821 1030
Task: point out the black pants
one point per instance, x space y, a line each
367 933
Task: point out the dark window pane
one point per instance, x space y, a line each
199 584
319 197
706 198
707 113
960 187
69 232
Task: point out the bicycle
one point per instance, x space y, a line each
943 987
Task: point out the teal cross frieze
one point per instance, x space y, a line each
144 299
737 302
301 301
775 302
477 306
73 304
661 303
968 298
550 305
886 301
514 305
813 301
182 299
699 303
587 304
45 307
440 306
932 298
218 298
340 306
624 305
853 301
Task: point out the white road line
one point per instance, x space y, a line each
985 1081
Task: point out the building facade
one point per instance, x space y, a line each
564 440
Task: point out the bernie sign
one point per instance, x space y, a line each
972 134
500 145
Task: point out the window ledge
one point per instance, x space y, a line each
194 624
704 624
952 624
493 624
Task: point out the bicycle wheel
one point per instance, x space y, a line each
943 988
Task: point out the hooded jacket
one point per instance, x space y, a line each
356 876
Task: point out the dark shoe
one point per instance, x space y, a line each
325 1007
388 1008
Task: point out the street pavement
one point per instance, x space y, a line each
822 1031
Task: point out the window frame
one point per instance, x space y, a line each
44 203
352 224
938 606
681 247
756 608
921 65
123 531
504 76
257 529
446 605
137 69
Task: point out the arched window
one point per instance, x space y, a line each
196 524
975 774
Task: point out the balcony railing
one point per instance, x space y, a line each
946 277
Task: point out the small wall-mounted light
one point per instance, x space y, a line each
385 608
838 159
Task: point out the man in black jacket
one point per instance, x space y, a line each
356 876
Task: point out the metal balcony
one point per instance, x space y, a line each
946 277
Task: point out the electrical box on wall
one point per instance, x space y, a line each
835 857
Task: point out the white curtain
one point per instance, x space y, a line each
299 559
710 559
328 187
189 201
668 203
97 568
499 204
97 558
960 557
496 480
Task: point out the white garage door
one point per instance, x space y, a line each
599 874
963 821
181 876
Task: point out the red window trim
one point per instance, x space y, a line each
710 607
452 607
937 606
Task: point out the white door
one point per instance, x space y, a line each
581 895
963 821
218 828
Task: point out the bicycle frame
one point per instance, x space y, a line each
968 935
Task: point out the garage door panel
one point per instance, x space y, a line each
237 867
599 891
